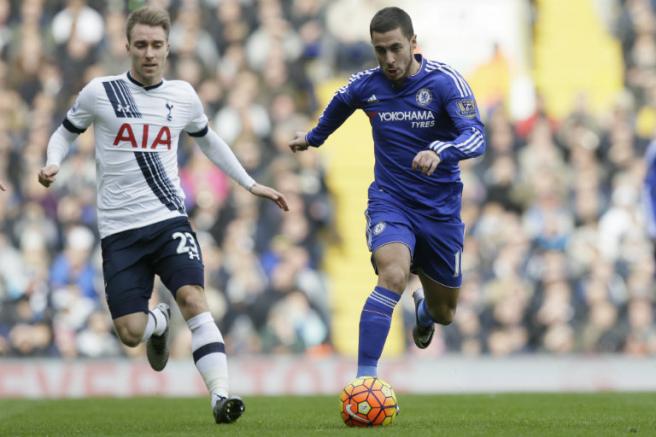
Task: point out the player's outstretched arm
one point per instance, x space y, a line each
222 156
271 194
333 116
299 142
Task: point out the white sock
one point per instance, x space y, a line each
209 354
156 324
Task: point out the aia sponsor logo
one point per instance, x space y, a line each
146 139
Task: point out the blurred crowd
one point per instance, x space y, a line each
557 258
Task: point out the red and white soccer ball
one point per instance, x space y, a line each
368 401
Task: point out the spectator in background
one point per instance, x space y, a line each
26 327
77 21
77 31
73 267
641 338
344 20
95 339
243 115
112 58
231 24
189 40
293 326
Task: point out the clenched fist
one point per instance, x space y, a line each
426 162
47 174
299 143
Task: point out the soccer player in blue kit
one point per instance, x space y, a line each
424 120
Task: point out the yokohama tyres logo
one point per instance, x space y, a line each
406 116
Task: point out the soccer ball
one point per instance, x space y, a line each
368 401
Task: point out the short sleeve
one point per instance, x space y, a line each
80 116
459 101
198 123
349 93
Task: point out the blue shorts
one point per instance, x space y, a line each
435 243
132 258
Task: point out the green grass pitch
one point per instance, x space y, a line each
606 414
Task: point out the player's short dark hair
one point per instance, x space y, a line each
391 18
150 16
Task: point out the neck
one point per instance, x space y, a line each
143 81
414 66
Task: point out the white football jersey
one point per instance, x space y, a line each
136 132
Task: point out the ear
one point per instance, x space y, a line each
127 47
413 43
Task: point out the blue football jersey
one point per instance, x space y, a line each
434 109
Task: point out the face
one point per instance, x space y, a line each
394 52
148 49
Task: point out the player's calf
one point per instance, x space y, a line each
424 329
442 313
157 348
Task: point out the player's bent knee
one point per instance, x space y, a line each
131 341
128 336
394 277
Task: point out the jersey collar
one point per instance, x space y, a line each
149 87
421 61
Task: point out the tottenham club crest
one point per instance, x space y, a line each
424 96
380 227
169 106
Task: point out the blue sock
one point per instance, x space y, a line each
375 321
424 318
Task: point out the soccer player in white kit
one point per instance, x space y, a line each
138 117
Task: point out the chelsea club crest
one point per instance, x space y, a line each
424 96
